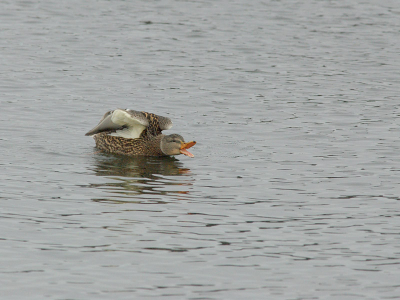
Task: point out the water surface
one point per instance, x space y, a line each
294 189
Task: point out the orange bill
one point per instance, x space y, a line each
186 146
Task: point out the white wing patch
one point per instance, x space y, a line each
130 132
134 126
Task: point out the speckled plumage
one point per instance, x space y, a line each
147 145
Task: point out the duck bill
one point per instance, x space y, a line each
186 146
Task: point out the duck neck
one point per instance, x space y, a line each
153 146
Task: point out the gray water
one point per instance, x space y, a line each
294 189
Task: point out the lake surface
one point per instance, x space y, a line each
294 191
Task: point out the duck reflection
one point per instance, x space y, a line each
139 179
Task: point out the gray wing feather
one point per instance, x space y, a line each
165 123
104 124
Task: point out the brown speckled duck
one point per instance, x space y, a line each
130 132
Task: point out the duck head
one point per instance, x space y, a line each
174 144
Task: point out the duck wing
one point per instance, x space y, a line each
157 124
129 123
104 124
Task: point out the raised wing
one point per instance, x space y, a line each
132 122
125 122
164 123
104 124
129 123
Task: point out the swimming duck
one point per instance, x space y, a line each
130 132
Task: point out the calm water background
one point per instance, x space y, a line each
294 189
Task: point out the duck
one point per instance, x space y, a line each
130 132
